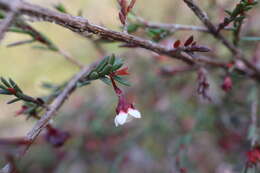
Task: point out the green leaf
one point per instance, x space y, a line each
112 59
60 7
228 12
5 82
48 85
81 84
40 47
157 34
122 80
102 64
118 64
248 8
2 15
107 69
13 101
3 87
15 86
106 80
18 30
132 27
47 42
240 18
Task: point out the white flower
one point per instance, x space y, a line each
124 117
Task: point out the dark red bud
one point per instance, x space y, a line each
22 110
122 18
230 65
177 44
183 170
123 5
194 43
11 90
131 5
253 156
227 84
56 137
189 41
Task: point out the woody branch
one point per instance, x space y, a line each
83 27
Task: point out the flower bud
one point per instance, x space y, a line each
227 84
56 137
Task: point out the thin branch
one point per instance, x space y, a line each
254 119
6 23
9 17
174 27
213 30
69 58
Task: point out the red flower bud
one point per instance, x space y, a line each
22 110
194 43
253 156
230 65
11 90
177 44
227 84
251 1
56 137
189 41
122 72
183 170
122 18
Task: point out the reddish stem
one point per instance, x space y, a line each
116 89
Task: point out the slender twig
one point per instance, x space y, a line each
6 23
174 27
213 30
254 119
9 17
69 58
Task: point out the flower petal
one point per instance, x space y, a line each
116 122
134 112
121 118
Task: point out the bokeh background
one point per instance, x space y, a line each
179 130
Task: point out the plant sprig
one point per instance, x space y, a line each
237 16
108 65
9 87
